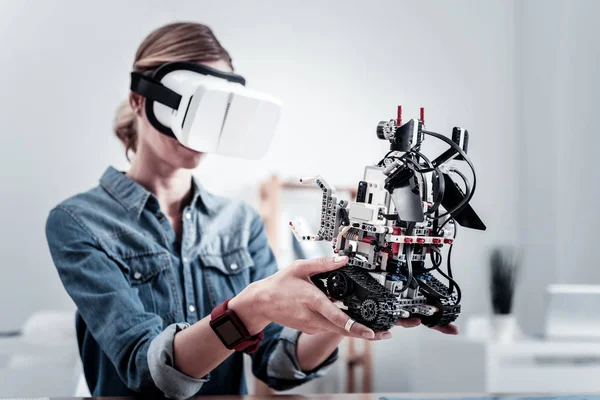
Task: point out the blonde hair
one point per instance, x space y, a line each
182 41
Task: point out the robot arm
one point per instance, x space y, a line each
333 213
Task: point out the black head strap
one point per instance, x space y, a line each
198 68
153 90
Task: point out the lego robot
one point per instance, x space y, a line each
399 230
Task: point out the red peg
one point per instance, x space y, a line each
399 119
423 115
396 246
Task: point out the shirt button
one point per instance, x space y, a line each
188 216
137 275
191 308
185 259
233 266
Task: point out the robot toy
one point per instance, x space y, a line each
395 234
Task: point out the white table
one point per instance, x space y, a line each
455 364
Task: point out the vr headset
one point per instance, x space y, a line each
208 110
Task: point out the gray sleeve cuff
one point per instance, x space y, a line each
283 362
173 384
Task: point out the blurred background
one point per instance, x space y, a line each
521 76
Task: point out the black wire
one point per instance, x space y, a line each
435 205
436 263
408 254
439 229
409 278
445 222
449 262
427 161
468 189
450 249
464 178
449 267
430 164
458 208
468 196
453 284
416 151
460 151
438 254
451 144
417 167
384 157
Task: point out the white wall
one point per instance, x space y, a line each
559 95
339 67
578 142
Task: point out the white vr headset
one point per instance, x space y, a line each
208 110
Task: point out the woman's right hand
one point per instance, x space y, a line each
289 298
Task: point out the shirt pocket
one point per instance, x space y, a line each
151 275
226 273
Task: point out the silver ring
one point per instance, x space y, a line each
349 324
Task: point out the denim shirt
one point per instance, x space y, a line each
135 286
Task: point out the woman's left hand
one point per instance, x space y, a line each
449 329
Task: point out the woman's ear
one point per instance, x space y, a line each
136 101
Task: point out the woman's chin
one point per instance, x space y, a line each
192 151
189 158
186 157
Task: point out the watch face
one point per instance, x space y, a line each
228 332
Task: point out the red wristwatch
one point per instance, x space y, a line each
231 330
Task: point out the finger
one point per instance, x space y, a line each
379 335
382 335
326 325
449 329
318 265
339 318
408 322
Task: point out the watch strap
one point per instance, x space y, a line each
249 343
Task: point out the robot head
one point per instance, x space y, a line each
403 137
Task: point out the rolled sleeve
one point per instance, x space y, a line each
283 368
161 362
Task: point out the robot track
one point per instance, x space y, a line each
439 295
370 304
373 305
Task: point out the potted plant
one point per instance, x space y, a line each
504 268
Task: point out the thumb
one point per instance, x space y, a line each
319 265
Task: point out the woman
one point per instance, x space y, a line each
147 255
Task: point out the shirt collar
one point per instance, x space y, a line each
202 198
134 196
